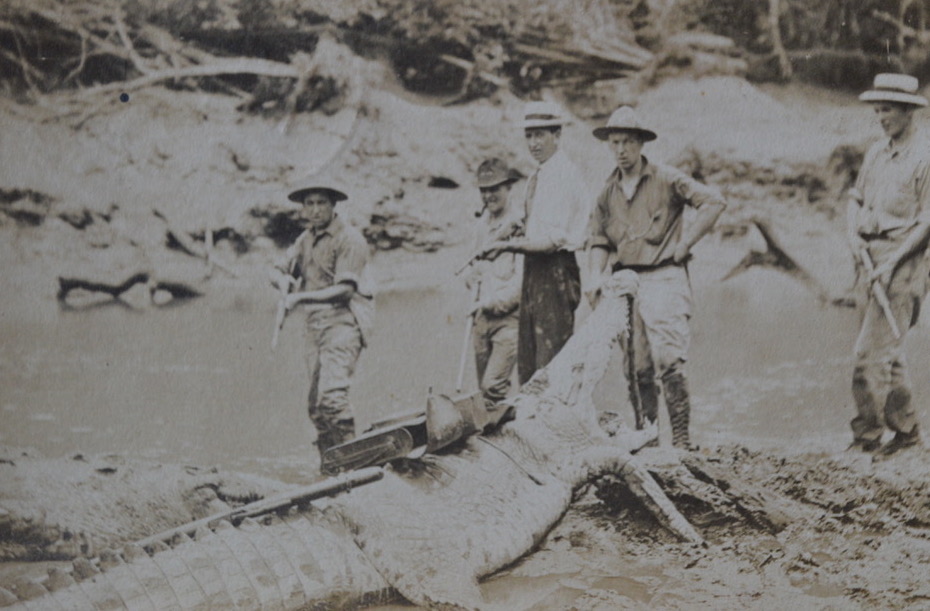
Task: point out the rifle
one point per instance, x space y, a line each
327 487
510 230
880 295
635 398
285 288
469 324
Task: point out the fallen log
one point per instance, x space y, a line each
114 290
220 67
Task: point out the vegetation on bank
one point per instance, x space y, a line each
262 50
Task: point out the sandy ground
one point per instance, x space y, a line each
858 537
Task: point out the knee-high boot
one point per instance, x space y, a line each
648 396
675 386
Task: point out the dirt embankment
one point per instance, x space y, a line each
182 194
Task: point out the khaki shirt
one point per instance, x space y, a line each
501 277
893 188
646 229
333 255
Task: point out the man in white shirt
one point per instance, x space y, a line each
556 215
888 230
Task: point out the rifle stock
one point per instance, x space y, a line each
281 313
880 295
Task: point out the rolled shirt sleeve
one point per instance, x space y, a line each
922 184
597 235
351 258
693 192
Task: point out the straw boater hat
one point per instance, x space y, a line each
543 114
493 172
900 88
624 119
316 186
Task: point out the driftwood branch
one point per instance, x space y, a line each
470 66
904 31
221 67
784 63
25 66
81 62
134 56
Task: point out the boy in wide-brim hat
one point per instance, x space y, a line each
326 265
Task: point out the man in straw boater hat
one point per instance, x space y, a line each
888 227
556 211
326 266
638 219
496 283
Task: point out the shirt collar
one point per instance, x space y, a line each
332 230
893 148
648 170
553 159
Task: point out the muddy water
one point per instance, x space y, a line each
200 384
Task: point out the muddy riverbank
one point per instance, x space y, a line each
196 384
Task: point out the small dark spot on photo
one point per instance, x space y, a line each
124 97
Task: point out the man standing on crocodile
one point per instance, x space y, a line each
327 264
888 229
638 218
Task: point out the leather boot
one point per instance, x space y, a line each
648 397
678 403
333 434
648 401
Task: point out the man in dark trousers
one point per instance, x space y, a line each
556 211
638 218
327 264
888 229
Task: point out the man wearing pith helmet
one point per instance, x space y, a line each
556 210
638 222
888 227
495 284
327 266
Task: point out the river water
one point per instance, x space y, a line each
200 384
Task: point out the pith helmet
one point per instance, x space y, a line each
624 119
889 87
543 114
316 186
493 172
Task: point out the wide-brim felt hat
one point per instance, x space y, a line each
543 114
301 191
624 119
898 88
493 172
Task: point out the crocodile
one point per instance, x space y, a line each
427 531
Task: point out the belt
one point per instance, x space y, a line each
649 268
882 235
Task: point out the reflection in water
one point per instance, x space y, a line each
201 385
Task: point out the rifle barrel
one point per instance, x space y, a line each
327 487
